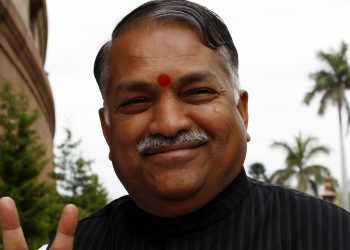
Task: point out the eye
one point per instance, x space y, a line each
134 105
199 95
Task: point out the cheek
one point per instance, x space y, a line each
128 129
126 133
124 138
225 126
218 119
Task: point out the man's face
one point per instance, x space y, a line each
174 179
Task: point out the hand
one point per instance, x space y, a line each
12 234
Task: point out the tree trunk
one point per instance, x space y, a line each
345 189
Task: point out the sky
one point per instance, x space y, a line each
277 43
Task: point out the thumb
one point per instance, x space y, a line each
66 228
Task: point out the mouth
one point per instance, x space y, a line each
173 154
173 148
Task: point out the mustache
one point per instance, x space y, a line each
157 142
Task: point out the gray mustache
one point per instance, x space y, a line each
160 141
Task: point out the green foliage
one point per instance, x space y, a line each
75 181
257 171
332 82
297 163
21 161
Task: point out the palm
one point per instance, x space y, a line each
298 167
331 85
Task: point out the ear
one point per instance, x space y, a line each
105 127
243 109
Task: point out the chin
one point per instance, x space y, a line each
179 182
177 192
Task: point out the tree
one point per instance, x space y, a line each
21 161
257 171
331 84
298 166
75 181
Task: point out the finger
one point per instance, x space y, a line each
66 228
12 234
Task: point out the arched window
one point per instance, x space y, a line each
38 25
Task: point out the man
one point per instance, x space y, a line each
176 121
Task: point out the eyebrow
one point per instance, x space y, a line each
198 76
134 86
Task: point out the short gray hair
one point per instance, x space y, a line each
209 27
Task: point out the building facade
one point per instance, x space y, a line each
23 43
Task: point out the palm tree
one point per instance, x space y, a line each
297 164
331 84
257 171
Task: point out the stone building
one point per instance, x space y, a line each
23 42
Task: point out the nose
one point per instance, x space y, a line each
170 116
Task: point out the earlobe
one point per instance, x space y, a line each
105 127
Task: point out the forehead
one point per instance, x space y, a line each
155 40
150 49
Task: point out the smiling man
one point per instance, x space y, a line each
170 155
175 120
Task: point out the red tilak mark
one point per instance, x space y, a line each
164 80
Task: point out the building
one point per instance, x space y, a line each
23 43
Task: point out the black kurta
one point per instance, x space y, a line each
247 215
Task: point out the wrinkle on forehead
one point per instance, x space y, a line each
155 61
153 33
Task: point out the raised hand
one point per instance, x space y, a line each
12 234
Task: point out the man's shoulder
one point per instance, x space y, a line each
94 231
298 203
115 208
